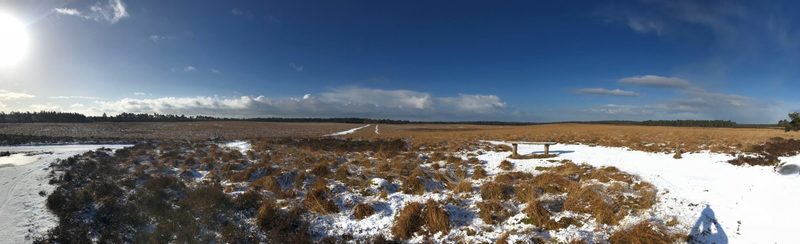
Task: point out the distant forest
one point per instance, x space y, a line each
60 117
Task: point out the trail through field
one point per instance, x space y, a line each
376 130
23 175
347 132
718 202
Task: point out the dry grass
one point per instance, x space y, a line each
495 191
478 173
414 184
318 200
606 174
465 186
492 212
503 239
552 183
506 165
268 183
436 219
363 210
641 233
525 192
230 130
408 221
593 200
643 138
539 216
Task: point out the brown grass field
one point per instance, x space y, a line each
231 130
645 138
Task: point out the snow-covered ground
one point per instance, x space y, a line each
736 204
350 131
22 176
750 204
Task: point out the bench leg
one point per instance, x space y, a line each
546 149
514 153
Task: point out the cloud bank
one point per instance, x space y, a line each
607 92
342 102
656 81
9 95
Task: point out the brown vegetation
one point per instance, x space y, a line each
436 219
318 200
643 138
506 165
363 210
641 233
496 191
492 212
408 221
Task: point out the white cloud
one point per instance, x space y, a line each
244 13
139 94
189 69
296 67
112 11
9 95
159 38
76 97
216 71
68 11
645 26
44 107
342 102
656 81
607 92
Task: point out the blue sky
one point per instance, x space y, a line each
419 60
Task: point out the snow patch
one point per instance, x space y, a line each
23 214
350 131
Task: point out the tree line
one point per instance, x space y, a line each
64 117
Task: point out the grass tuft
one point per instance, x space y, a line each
436 218
643 232
408 221
506 165
363 210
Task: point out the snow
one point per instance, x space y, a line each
751 204
23 175
716 201
376 130
346 132
242 146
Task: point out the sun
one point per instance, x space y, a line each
13 40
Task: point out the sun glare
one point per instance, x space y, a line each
13 40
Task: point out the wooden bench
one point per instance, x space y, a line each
546 146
